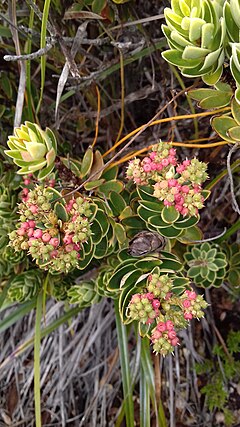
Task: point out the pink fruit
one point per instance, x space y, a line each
31 223
175 342
172 335
192 295
161 327
169 325
155 304
37 233
186 303
156 335
147 167
54 242
21 232
46 237
34 209
188 316
165 162
30 232
54 253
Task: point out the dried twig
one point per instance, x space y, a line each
22 79
33 55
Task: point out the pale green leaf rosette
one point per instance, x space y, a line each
33 149
195 32
232 19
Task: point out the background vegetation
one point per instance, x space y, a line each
94 75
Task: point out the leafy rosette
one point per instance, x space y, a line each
33 149
173 194
232 19
195 32
206 265
25 286
165 220
83 294
235 68
130 275
232 252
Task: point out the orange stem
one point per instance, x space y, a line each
167 119
176 144
98 116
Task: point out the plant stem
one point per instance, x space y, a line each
165 120
233 229
37 344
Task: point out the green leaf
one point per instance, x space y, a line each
98 6
234 278
55 194
6 85
134 222
110 186
60 211
193 271
126 213
42 174
201 94
235 108
43 39
148 263
120 1
170 214
118 203
212 78
157 221
143 331
146 193
114 283
103 220
129 279
87 162
151 206
217 101
170 232
91 185
234 133
83 263
175 58
191 234
120 233
110 173
222 124
98 164
101 248
97 232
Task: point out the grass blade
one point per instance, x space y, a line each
42 45
126 375
147 367
145 415
16 315
44 332
37 345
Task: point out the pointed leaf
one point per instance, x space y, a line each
87 162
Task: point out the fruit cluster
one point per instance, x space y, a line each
54 244
176 184
164 311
